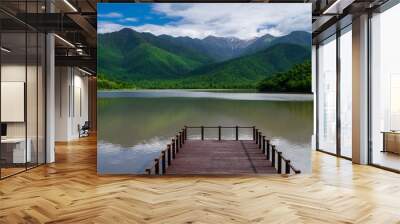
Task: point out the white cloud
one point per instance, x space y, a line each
108 27
129 19
246 20
111 15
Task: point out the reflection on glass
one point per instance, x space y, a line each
133 129
14 151
22 91
385 114
41 99
327 95
346 93
31 97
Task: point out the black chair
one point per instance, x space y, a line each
84 130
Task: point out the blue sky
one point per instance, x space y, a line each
198 20
130 14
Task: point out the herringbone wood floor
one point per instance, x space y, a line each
70 191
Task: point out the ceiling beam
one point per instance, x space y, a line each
81 61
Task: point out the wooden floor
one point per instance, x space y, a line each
220 157
70 191
387 159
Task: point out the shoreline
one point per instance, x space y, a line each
203 90
214 94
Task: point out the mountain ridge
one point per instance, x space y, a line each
140 57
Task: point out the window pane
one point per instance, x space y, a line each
346 92
41 99
327 95
386 89
14 153
31 97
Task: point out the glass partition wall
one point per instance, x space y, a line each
334 90
345 90
22 77
327 95
334 93
385 89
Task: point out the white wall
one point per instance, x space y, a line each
71 94
62 82
16 73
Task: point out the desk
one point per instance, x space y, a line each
13 150
391 141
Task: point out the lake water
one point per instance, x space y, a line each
134 126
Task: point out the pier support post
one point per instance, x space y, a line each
157 166
173 148
263 143
202 132
183 136
163 162
279 162
256 136
268 149
219 133
259 140
185 131
177 143
180 140
169 154
287 167
273 156
237 133
254 133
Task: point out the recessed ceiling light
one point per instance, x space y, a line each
5 50
337 7
64 40
70 5
84 71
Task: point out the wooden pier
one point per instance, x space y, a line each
185 156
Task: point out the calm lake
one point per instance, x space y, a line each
134 126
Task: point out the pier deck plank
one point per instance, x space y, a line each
220 157
71 191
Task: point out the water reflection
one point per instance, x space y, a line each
133 129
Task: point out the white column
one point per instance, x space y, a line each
50 99
314 91
62 103
50 92
360 90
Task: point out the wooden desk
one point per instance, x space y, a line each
391 141
13 150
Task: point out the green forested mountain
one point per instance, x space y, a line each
131 59
266 41
297 79
130 56
247 70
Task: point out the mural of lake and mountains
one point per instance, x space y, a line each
163 66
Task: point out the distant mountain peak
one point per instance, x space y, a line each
268 36
299 32
132 56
